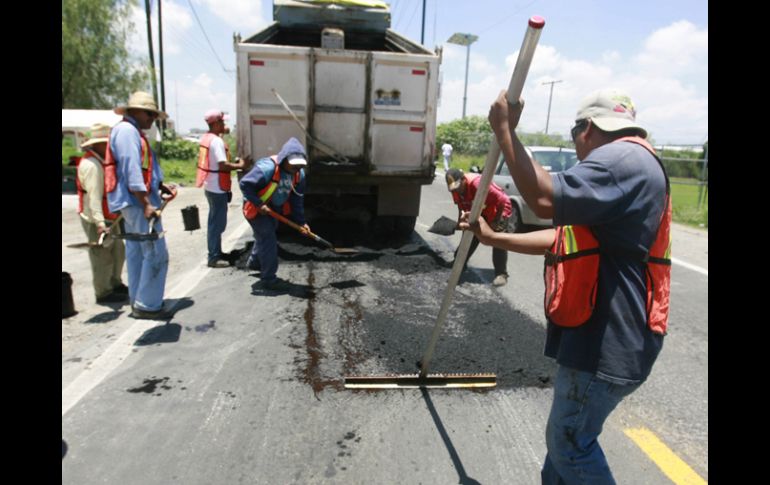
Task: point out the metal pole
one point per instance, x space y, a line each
526 53
465 90
703 180
162 84
422 35
152 56
548 118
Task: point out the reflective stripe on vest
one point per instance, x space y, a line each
572 269
225 181
105 208
250 211
111 168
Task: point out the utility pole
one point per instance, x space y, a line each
152 56
549 104
466 40
162 84
422 35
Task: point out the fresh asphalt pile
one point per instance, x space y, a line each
372 314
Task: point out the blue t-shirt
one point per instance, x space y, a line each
620 192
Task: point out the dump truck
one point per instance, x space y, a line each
361 97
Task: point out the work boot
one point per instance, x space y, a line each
219 263
112 298
275 285
500 280
162 314
121 289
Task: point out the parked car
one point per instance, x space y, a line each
553 159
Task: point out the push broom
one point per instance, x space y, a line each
423 379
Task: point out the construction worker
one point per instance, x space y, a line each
134 184
108 257
275 183
214 167
497 211
607 270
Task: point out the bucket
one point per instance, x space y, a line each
67 304
190 218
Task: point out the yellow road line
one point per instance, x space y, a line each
674 467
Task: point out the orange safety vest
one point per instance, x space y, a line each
81 191
225 179
572 270
250 211
110 166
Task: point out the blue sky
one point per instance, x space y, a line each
656 50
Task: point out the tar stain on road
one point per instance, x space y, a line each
149 386
205 327
310 373
345 446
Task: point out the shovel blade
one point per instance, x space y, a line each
444 226
414 381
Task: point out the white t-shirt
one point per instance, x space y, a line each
446 148
216 154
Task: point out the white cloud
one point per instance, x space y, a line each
675 49
197 95
665 83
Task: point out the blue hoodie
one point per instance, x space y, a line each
262 173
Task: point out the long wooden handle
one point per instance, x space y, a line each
526 53
299 228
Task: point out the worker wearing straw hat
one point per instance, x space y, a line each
134 181
108 257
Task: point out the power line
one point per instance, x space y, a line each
500 21
190 45
207 38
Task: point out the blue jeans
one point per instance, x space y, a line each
581 404
146 262
216 224
265 248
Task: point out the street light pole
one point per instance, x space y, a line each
549 104
466 40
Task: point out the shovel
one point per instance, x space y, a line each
100 242
151 234
309 234
443 226
423 379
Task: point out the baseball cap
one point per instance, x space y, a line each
454 178
610 110
213 115
297 159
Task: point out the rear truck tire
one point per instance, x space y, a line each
514 222
404 226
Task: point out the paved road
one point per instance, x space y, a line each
244 386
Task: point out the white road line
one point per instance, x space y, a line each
124 345
698 269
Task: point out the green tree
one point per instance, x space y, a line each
97 70
472 136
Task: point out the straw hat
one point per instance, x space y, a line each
100 133
141 100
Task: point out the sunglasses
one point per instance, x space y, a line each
151 114
580 125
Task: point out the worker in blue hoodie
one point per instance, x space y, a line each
275 183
